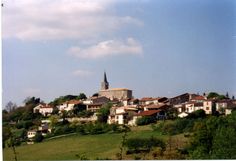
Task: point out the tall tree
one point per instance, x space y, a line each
82 96
227 95
10 106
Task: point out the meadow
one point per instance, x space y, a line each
74 147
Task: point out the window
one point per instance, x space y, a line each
207 108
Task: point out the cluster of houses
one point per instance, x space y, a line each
126 109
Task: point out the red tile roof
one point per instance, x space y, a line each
198 98
73 102
148 113
161 105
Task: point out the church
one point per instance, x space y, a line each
114 93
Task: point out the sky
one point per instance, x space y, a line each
154 47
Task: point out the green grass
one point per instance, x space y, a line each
68 148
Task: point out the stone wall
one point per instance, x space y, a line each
119 94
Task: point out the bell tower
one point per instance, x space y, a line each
104 84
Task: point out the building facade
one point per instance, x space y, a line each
115 93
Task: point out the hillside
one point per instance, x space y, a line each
78 146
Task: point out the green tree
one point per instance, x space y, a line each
224 143
146 120
212 95
53 121
38 137
104 112
82 96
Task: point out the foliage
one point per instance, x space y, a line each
64 129
197 114
137 145
38 137
10 106
82 96
174 127
100 128
62 99
85 113
212 95
146 120
24 124
224 143
214 138
79 108
104 112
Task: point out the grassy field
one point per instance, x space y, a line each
71 147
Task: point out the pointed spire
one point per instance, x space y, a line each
104 84
105 77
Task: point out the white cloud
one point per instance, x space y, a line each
108 48
81 73
61 19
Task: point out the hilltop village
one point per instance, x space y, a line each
124 109
114 112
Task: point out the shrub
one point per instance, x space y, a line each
146 120
38 137
136 145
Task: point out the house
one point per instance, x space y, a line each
197 98
95 103
150 100
122 115
44 128
193 106
183 114
155 113
158 106
225 106
183 98
208 106
44 109
31 134
68 105
129 101
228 110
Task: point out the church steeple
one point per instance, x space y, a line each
104 84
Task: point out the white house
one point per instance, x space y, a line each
208 106
31 134
120 115
44 109
68 105
183 114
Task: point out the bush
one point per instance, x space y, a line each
197 114
65 129
146 120
176 127
38 137
137 145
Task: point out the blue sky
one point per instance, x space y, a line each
154 47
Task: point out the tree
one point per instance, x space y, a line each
53 121
38 137
10 106
227 95
32 101
212 95
104 112
95 95
12 142
232 97
197 114
82 96
146 120
224 144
